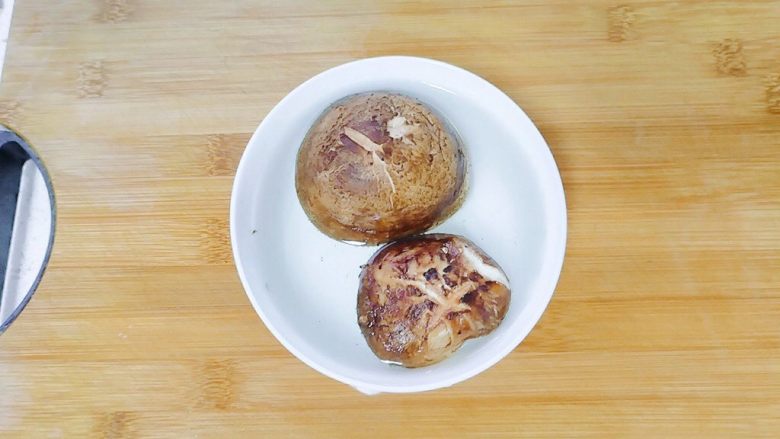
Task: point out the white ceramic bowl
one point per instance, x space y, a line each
304 284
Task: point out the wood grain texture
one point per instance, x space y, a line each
664 117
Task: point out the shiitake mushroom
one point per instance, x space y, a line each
379 166
420 298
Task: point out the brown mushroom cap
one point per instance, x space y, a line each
378 166
421 298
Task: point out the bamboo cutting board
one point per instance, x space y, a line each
664 117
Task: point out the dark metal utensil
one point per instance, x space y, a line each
27 219
12 157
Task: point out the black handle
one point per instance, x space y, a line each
12 158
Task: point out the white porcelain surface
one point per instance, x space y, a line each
304 284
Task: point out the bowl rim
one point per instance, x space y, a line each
549 276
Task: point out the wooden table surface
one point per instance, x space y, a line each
663 116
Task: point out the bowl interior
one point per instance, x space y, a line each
304 284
